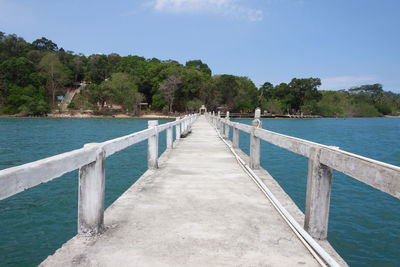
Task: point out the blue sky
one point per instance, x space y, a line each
345 43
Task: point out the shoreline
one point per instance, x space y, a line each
162 116
86 115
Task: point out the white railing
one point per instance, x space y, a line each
322 159
90 160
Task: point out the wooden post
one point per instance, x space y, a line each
235 137
178 130
91 195
170 139
152 146
255 142
319 182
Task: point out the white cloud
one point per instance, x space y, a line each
221 7
346 82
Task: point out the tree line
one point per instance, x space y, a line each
33 74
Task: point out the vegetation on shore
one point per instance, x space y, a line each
33 74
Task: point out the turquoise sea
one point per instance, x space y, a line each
364 225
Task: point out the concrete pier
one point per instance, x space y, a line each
198 208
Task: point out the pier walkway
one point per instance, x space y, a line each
199 208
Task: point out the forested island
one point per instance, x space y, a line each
37 77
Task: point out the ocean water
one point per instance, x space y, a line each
364 225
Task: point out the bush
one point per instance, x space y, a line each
273 106
365 110
384 109
194 105
159 102
245 107
71 105
28 100
165 109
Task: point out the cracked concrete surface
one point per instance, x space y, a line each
198 209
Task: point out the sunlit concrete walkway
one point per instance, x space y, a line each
198 209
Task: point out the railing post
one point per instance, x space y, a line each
185 123
178 129
218 121
91 195
152 146
235 137
213 118
319 182
170 138
227 125
255 141
183 129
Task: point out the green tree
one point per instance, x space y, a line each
305 90
44 44
99 94
27 100
228 88
247 95
53 71
17 70
373 91
159 101
125 91
198 65
97 68
169 88
265 92
194 105
12 46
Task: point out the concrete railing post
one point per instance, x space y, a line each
182 125
235 137
178 130
227 125
319 182
213 118
152 146
170 139
91 195
255 141
219 121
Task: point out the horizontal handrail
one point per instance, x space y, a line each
16 179
243 127
120 143
380 175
